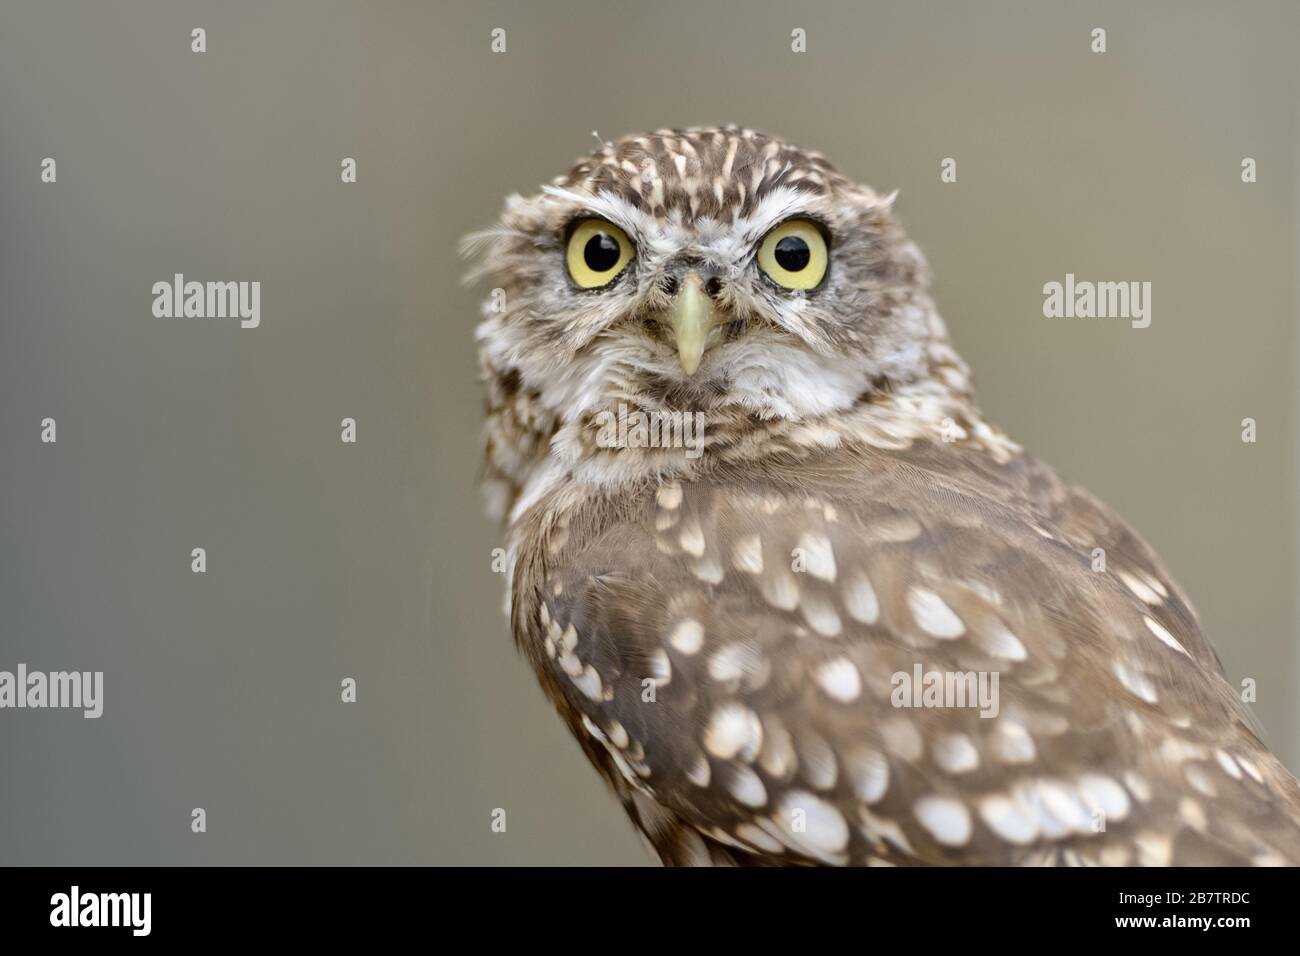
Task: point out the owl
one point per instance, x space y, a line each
797 601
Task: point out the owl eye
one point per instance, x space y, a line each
794 255
598 251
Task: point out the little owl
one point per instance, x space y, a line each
857 624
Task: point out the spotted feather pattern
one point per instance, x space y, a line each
725 648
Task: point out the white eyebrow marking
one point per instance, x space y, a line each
643 228
778 205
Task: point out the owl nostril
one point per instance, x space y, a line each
669 285
713 287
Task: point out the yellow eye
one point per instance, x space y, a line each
794 255
598 251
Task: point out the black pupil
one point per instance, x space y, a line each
601 252
792 254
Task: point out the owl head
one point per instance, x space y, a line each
705 268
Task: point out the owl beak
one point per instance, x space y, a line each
692 318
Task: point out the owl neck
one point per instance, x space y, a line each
621 441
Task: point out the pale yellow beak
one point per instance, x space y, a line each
692 320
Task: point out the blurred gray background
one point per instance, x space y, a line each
372 560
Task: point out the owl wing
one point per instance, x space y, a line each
896 658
